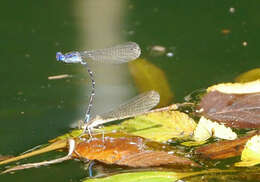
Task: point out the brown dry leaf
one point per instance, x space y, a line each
154 158
223 149
129 151
234 110
109 150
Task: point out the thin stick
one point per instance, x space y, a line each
44 163
54 146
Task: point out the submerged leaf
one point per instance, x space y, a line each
149 77
248 76
158 126
128 151
234 110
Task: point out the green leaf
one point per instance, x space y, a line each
150 176
73 134
158 126
160 176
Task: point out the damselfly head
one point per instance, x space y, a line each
70 57
60 56
135 49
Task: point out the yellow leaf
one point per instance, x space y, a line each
237 88
248 76
149 77
207 128
158 126
251 153
193 143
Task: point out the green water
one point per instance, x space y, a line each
35 109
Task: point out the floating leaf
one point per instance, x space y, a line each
223 149
149 77
248 76
156 176
158 126
234 110
109 150
130 151
203 130
154 158
149 176
252 149
236 88
206 128
251 153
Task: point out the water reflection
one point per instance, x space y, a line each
100 26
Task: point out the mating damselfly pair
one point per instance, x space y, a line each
118 54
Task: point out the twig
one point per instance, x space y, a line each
44 163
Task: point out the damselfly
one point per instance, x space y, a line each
135 106
118 54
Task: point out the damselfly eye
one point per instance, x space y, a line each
60 56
